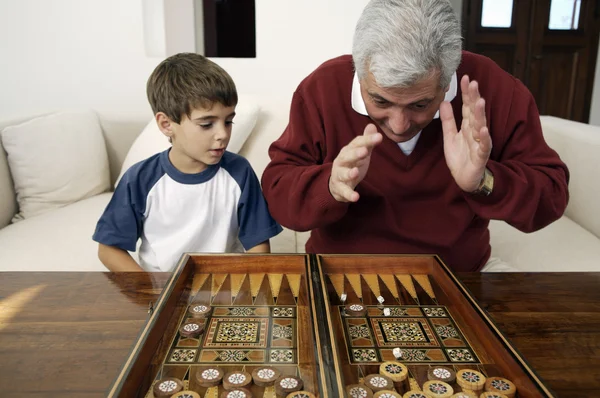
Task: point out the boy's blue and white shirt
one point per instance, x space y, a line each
220 210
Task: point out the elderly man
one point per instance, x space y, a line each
412 145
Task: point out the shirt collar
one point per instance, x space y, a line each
358 104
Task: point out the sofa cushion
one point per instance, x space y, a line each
152 141
56 160
578 145
59 240
561 246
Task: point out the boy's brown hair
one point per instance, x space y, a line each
187 81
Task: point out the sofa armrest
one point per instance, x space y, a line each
8 200
578 145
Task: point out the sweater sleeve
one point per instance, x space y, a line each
530 180
296 181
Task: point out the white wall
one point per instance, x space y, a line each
70 53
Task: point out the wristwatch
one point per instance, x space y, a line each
486 186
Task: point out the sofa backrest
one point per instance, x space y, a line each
578 145
118 135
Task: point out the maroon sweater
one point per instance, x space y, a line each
411 204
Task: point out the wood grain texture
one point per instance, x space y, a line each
72 338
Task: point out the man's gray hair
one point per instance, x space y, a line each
404 41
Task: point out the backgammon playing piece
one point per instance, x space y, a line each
415 394
191 329
167 387
265 376
387 312
237 393
377 382
237 379
356 310
288 384
186 394
301 394
209 377
199 310
394 370
464 394
500 385
387 394
492 395
441 373
438 389
470 379
358 391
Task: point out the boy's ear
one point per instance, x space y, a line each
165 124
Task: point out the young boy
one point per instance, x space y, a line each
195 196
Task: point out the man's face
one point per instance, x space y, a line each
402 112
202 138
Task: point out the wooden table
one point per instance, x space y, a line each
67 334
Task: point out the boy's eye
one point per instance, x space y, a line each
229 122
206 125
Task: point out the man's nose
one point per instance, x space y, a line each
399 121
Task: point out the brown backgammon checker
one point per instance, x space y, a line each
186 394
199 310
209 377
441 373
356 310
166 387
265 376
415 394
438 389
377 382
500 385
358 391
492 395
285 385
301 394
192 329
470 379
387 394
237 379
464 394
237 393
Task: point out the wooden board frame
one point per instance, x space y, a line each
154 341
481 331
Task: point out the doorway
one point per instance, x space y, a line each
550 45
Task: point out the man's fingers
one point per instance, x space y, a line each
485 143
448 122
479 115
473 92
348 175
346 192
369 139
464 89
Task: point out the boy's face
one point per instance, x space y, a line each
201 139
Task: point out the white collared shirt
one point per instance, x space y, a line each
358 104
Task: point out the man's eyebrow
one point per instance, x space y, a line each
377 97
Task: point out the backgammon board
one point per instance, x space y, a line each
320 326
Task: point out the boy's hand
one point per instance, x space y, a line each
351 165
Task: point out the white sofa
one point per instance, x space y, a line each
60 239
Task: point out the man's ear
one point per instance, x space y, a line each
165 124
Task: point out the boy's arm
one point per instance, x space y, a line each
264 247
118 260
